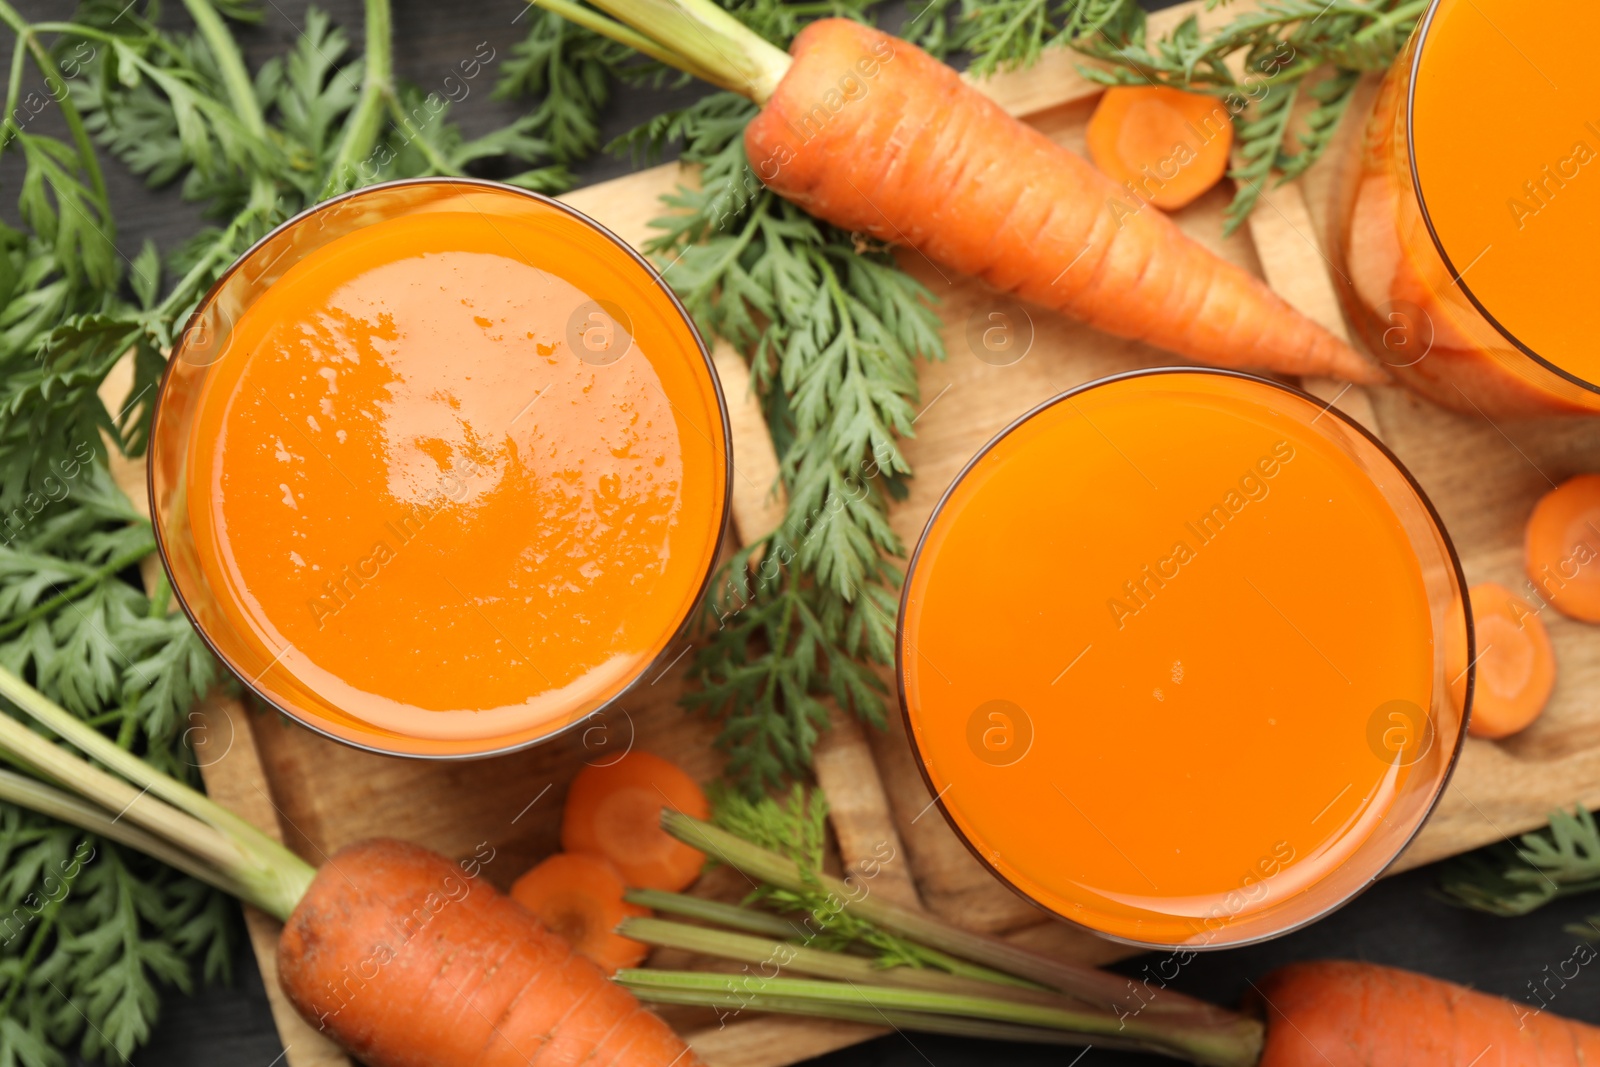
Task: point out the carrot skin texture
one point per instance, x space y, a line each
912 155
1337 1013
406 962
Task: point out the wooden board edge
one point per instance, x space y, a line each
859 810
1498 806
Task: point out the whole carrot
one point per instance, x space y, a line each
1343 1014
874 135
405 961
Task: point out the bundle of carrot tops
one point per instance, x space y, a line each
117 870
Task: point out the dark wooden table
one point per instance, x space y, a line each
1401 921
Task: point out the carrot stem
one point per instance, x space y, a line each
590 19
69 111
1239 1046
901 1020
695 36
760 922
112 793
365 122
822 963
272 877
1098 989
714 911
230 65
36 796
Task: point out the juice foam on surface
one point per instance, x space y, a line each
408 486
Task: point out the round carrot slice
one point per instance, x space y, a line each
1171 145
615 811
1516 665
1563 544
580 898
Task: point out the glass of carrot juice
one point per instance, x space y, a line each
440 468
1184 657
1470 214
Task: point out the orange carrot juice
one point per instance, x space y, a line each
457 477
1474 209
1173 657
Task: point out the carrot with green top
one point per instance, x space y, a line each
402 956
870 133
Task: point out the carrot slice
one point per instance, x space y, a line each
615 811
1168 145
1563 547
1516 665
580 898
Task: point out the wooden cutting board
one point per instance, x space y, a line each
1482 476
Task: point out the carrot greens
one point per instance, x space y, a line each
99 923
832 329
1259 62
1522 875
90 929
174 103
829 947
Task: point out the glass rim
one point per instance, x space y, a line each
700 345
1433 518
1504 331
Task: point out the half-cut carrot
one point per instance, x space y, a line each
580 898
1164 145
1516 665
1563 547
615 811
